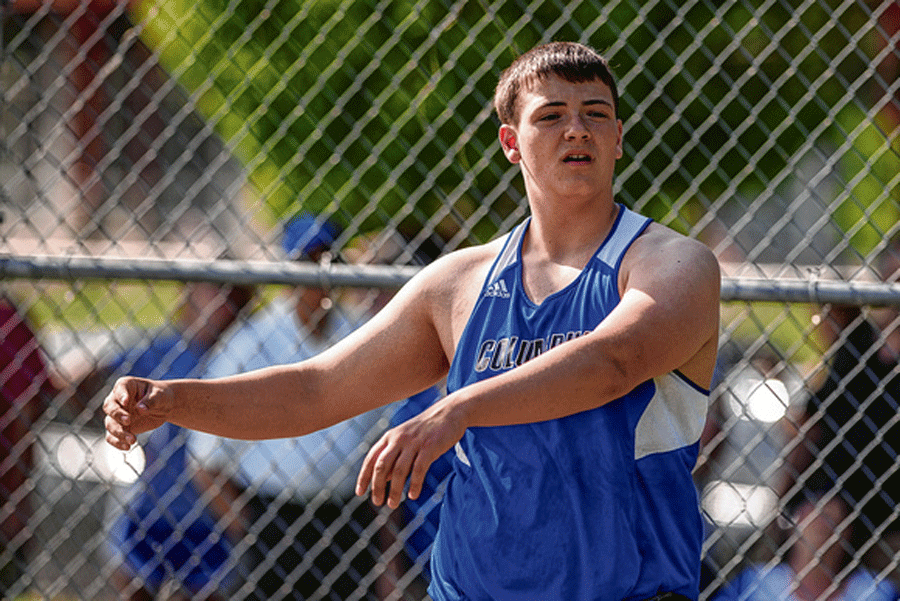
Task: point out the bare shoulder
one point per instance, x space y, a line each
461 273
682 277
661 252
408 345
450 285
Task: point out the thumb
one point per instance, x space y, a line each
131 392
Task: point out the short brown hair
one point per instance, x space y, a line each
571 61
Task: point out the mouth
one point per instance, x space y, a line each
577 158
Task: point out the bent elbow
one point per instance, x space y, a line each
623 374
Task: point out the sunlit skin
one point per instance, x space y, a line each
566 140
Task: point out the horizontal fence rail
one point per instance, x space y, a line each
67 268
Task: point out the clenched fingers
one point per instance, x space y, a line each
118 406
128 411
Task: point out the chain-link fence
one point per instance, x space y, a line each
152 151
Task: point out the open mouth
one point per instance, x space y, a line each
577 158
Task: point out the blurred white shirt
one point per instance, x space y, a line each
304 466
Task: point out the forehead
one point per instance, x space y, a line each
539 91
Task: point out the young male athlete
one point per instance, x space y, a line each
578 351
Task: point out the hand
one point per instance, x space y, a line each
407 451
135 405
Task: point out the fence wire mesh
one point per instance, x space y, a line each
152 151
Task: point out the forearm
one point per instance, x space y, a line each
276 402
553 385
556 384
642 338
372 367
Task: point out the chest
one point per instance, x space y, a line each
507 328
542 281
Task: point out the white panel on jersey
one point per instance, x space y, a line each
673 419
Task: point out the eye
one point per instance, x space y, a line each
549 117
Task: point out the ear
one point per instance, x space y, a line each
509 140
619 138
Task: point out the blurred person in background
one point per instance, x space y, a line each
25 391
405 540
164 536
414 524
819 564
848 434
296 493
111 111
850 424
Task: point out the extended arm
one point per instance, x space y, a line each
392 356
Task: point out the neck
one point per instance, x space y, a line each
815 576
553 255
813 585
568 238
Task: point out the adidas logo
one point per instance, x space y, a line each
497 289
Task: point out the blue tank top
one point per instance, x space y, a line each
599 505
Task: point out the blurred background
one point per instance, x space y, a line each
183 182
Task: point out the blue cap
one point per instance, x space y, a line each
305 234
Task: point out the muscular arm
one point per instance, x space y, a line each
397 353
667 319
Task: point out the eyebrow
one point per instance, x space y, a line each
591 102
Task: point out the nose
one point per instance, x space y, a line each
578 129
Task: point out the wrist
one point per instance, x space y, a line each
461 407
164 396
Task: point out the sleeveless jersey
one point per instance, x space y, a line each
595 506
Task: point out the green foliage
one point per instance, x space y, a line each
371 110
347 108
868 210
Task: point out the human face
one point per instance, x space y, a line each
208 312
824 533
567 139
